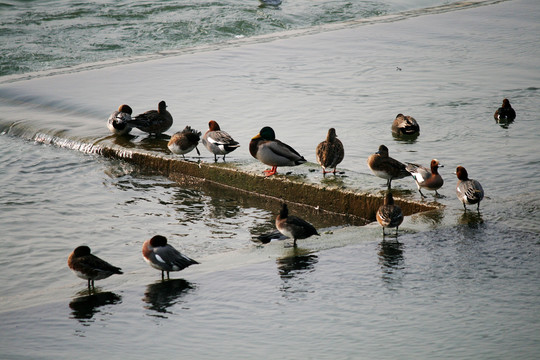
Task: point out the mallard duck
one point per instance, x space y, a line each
468 191
118 122
89 267
292 226
424 178
505 112
330 152
386 167
388 214
154 121
405 125
217 141
162 256
270 151
184 141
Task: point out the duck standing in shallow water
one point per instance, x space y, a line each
154 121
270 151
118 122
405 125
89 267
217 141
389 215
292 226
383 166
162 256
184 141
330 152
424 178
468 191
505 113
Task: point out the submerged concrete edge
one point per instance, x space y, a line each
357 207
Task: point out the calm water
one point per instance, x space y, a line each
457 285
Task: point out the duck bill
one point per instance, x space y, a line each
258 136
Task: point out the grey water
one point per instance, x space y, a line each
456 284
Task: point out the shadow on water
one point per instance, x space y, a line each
163 294
85 307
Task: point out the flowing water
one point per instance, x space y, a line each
456 284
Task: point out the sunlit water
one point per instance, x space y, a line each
457 285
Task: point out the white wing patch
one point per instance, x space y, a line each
158 258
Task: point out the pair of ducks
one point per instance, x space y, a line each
156 252
164 257
155 122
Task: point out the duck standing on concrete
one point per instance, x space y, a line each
505 113
292 226
118 122
389 215
154 121
468 191
217 141
89 267
184 141
383 166
270 151
426 178
330 152
405 125
162 256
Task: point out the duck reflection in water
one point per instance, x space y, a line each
391 260
471 218
292 270
85 307
161 295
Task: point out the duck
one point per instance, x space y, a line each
154 121
294 227
383 166
162 256
217 141
330 152
90 267
505 112
270 151
389 215
184 141
118 122
429 179
405 125
468 191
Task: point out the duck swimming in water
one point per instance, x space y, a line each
405 125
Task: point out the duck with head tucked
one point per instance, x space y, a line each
162 256
405 125
270 151
330 152
425 178
118 122
505 113
89 267
383 166
217 141
154 121
468 191
389 215
184 141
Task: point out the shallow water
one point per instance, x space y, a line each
457 285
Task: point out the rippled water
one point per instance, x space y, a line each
457 285
37 34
